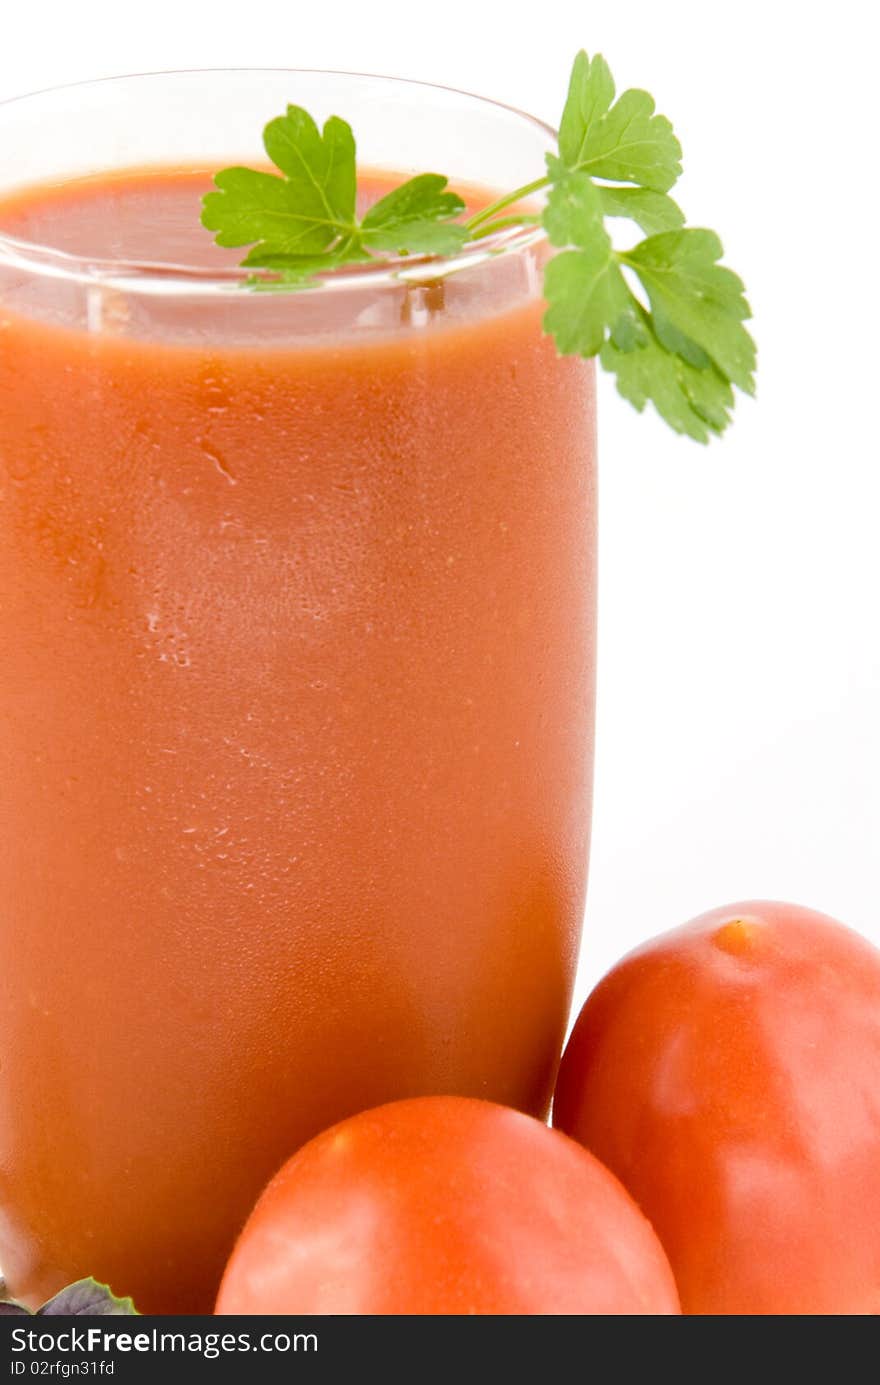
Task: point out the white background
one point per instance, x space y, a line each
738 742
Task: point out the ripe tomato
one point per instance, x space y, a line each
446 1205
729 1074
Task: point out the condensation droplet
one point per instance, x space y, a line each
218 461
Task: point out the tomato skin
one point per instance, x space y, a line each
729 1074
446 1205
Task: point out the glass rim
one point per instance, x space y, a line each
170 279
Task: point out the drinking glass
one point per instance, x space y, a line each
296 676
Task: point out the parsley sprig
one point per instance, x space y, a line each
663 315
306 222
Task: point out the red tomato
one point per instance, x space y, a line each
446 1205
729 1074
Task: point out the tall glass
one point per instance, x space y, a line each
296 684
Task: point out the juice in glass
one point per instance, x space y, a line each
296 670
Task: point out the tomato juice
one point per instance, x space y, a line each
296 669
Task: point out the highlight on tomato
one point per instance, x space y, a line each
446 1205
729 1074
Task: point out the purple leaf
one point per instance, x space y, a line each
86 1298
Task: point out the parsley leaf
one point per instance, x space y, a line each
698 305
302 213
415 219
685 346
590 93
305 222
584 288
625 142
696 402
652 211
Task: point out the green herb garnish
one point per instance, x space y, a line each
306 221
664 316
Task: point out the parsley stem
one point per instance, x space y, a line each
500 223
507 201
